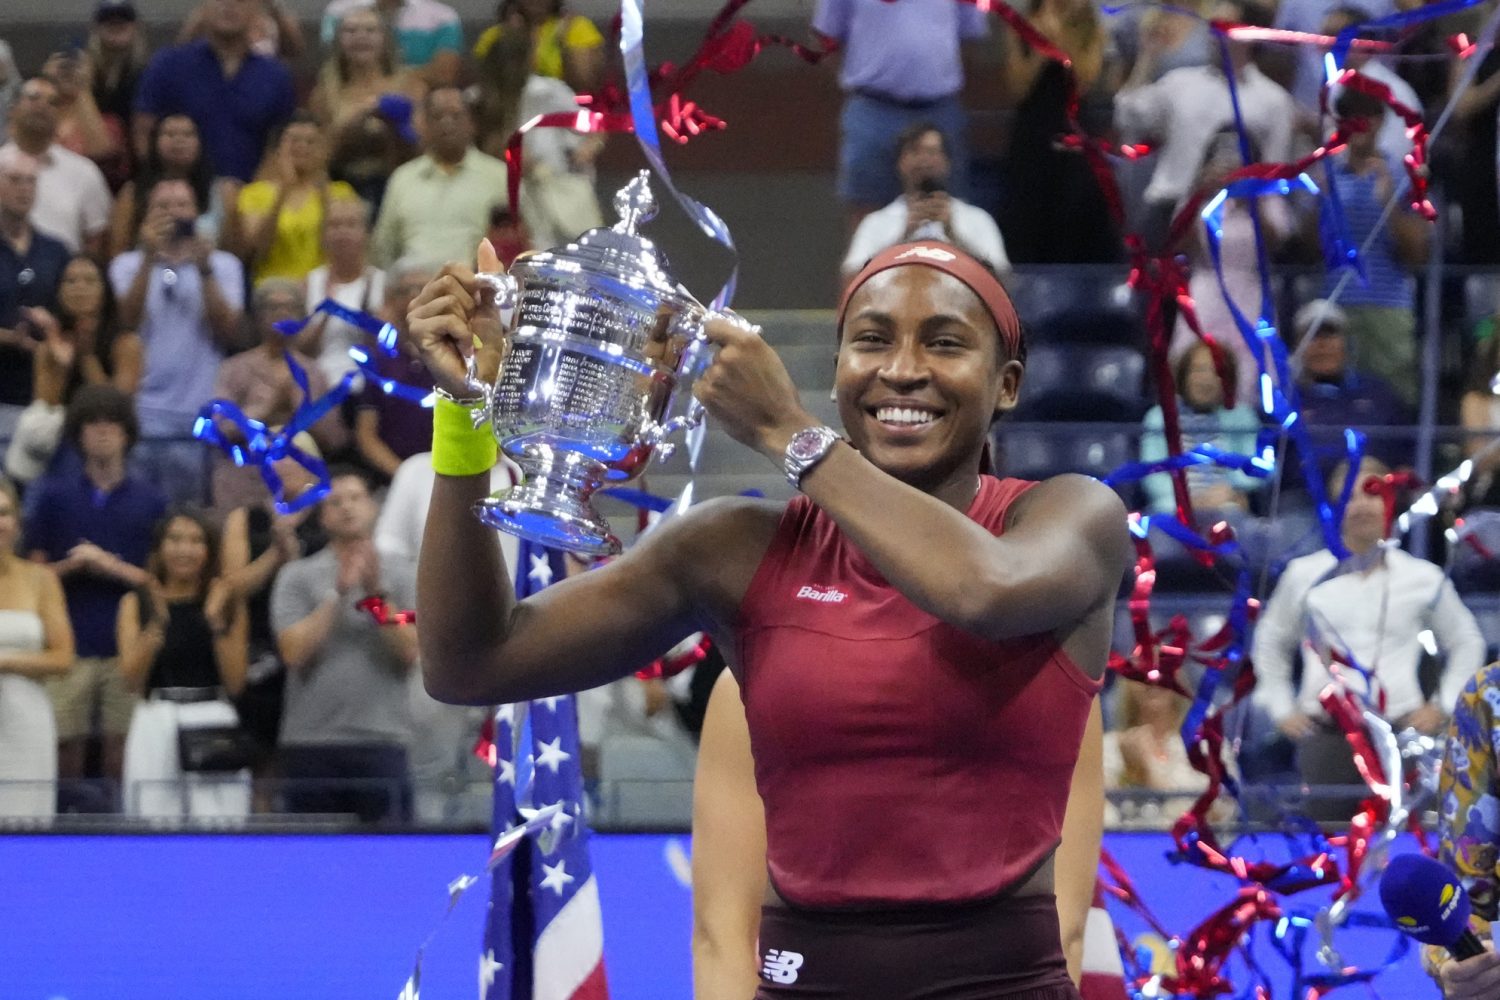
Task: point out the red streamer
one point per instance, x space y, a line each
379 609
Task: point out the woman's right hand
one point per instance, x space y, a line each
1476 978
450 315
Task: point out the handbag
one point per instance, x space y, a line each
215 748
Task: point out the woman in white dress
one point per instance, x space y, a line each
35 641
184 645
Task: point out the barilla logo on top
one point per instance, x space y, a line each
823 595
928 253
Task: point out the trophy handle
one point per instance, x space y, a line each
506 291
695 359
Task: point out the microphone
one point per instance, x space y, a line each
1427 902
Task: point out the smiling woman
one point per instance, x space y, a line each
917 643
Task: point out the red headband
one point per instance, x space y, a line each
950 260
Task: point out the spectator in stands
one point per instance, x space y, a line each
1308 75
117 56
561 46
94 529
1042 184
449 787
1476 108
275 31
1371 609
183 648
83 344
1239 261
1187 107
259 381
1390 136
1177 36
347 723
176 153
901 65
1468 835
235 96
387 429
925 210
364 66
375 143
429 33
1381 323
72 200
1335 395
1145 751
36 642
437 207
81 127
258 542
31 265
350 280
184 299
10 85
557 197
1217 493
279 221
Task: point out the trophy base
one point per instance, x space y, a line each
550 511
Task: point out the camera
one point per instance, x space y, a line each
183 229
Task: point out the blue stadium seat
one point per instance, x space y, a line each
1079 382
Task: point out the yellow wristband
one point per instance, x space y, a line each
458 447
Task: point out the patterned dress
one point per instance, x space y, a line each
1469 799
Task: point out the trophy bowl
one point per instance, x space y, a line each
603 350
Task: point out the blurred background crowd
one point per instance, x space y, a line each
177 181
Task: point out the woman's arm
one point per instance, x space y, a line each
729 852
232 648
1076 864
120 218
138 645
56 655
371 447
127 357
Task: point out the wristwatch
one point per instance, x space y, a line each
806 449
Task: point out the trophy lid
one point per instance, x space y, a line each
618 254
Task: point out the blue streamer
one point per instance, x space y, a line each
638 82
385 337
259 447
1290 934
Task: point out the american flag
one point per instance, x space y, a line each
544 935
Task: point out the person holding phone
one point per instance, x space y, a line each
31 266
926 210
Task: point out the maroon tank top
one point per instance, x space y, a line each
900 759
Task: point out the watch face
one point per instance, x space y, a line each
806 444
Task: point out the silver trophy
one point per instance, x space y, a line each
604 349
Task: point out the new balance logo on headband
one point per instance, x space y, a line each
830 596
781 966
927 253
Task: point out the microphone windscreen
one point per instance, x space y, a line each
1425 899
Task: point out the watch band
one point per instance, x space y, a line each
806 449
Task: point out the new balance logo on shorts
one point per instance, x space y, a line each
781 966
830 595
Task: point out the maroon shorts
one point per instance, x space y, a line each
1006 948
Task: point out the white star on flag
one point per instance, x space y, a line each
487 969
541 571
557 877
506 714
551 754
551 702
507 771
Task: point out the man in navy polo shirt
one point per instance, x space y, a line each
31 265
236 97
94 529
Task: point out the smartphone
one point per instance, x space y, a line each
184 229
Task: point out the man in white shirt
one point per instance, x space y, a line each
72 199
925 209
1187 107
1374 608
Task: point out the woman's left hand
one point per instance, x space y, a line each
749 391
